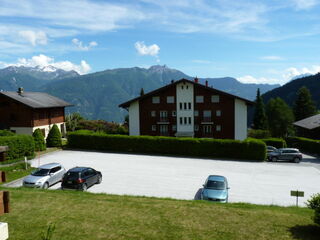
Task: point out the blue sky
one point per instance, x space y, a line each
258 41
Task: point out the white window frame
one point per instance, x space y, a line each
156 100
153 114
170 99
199 99
215 98
218 128
153 128
174 113
218 113
196 113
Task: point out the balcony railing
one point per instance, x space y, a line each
206 119
163 119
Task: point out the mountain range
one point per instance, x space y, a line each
97 95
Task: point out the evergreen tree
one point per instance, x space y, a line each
39 143
141 92
303 106
280 117
260 118
54 137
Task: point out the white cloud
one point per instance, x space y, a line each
261 80
152 50
35 38
305 4
44 61
82 47
272 58
293 72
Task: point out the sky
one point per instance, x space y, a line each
261 41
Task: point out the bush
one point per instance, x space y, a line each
39 143
102 126
275 142
304 144
314 203
54 137
19 146
257 133
250 149
6 133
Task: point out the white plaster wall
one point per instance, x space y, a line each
185 95
240 119
30 130
134 119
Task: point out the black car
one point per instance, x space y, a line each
81 178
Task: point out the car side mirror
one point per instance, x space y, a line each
202 185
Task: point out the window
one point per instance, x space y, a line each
189 118
189 105
174 127
181 87
174 113
196 113
180 120
154 128
155 99
185 105
218 113
170 99
153 113
181 106
163 114
215 98
207 113
207 129
218 128
185 120
163 129
199 99
187 87
196 128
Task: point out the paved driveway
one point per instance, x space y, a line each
181 178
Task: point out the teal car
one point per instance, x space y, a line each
215 189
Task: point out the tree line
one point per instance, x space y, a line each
276 117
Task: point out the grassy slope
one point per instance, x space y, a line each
79 215
16 171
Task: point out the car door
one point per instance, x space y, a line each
91 176
53 175
284 155
60 173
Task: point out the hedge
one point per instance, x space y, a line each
54 137
304 144
19 146
250 149
39 143
275 142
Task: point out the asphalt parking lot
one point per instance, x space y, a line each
181 178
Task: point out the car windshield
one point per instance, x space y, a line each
40 172
217 185
72 175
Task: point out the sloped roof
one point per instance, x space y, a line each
127 104
36 99
309 123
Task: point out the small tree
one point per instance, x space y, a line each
303 106
260 118
54 137
280 117
72 121
39 142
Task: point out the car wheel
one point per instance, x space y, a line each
84 187
274 159
45 185
99 179
296 160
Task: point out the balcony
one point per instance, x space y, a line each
206 120
163 120
164 134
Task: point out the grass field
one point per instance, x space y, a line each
16 171
82 215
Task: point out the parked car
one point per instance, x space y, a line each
215 189
45 176
288 154
81 178
270 149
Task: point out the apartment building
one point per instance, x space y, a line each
187 108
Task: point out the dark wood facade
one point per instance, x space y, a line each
16 114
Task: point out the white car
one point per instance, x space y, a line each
45 176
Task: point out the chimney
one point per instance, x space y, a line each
206 83
20 90
196 80
172 81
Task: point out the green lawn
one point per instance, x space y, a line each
79 215
16 171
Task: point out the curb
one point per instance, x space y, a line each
12 182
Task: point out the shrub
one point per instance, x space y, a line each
257 133
39 143
275 142
250 149
314 203
102 126
19 146
304 144
6 133
54 137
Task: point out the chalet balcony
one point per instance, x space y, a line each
207 120
163 120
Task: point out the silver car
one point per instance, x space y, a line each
45 176
288 154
